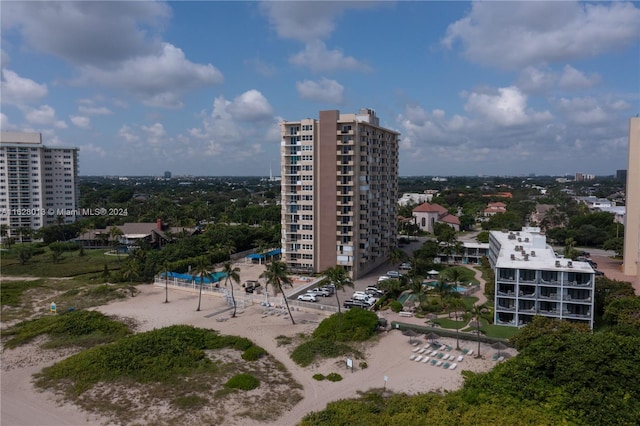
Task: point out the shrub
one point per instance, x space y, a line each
363 365
307 352
334 377
395 306
319 377
242 381
353 325
189 402
61 246
253 353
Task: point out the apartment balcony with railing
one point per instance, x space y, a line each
548 308
506 274
551 293
549 277
577 296
571 310
505 304
506 290
527 291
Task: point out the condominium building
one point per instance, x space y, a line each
339 191
532 280
38 184
632 216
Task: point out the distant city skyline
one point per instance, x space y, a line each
199 88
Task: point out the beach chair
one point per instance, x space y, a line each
501 358
470 352
438 364
418 358
446 365
425 360
460 358
494 357
449 348
453 366
421 351
412 357
434 361
464 351
434 353
415 350
440 355
445 357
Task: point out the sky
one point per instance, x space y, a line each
199 88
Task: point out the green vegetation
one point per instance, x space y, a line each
243 382
319 377
79 328
334 377
11 291
71 264
164 356
253 353
356 325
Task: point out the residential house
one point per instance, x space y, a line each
427 215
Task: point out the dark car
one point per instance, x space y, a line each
348 304
250 286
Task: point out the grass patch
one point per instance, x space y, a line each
243 382
319 377
189 402
283 340
500 331
79 328
448 323
11 292
334 377
308 351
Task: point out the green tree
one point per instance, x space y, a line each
276 274
25 253
166 269
607 290
624 312
202 271
339 277
616 244
443 289
396 256
115 233
231 274
131 272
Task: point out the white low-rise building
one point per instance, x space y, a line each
531 280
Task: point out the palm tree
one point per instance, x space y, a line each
130 272
115 233
443 289
396 256
455 302
340 278
476 312
203 272
453 274
276 274
233 275
166 270
392 285
416 287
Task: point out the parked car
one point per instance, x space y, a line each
372 291
599 273
405 267
393 274
330 288
319 292
307 297
348 304
250 286
383 278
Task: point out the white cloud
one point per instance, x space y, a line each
306 21
94 110
156 133
158 80
572 78
42 115
60 124
316 57
93 149
533 80
127 134
89 33
17 90
517 34
250 106
507 107
583 111
80 121
325 91
4 122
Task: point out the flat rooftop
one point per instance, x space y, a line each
528 249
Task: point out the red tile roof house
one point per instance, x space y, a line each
495 208
426 215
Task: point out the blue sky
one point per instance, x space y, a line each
198 88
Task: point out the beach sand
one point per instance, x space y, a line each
388 357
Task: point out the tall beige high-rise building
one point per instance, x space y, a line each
38 184
339 192
632 216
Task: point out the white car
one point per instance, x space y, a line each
307 297
405 267
319 292
393 274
